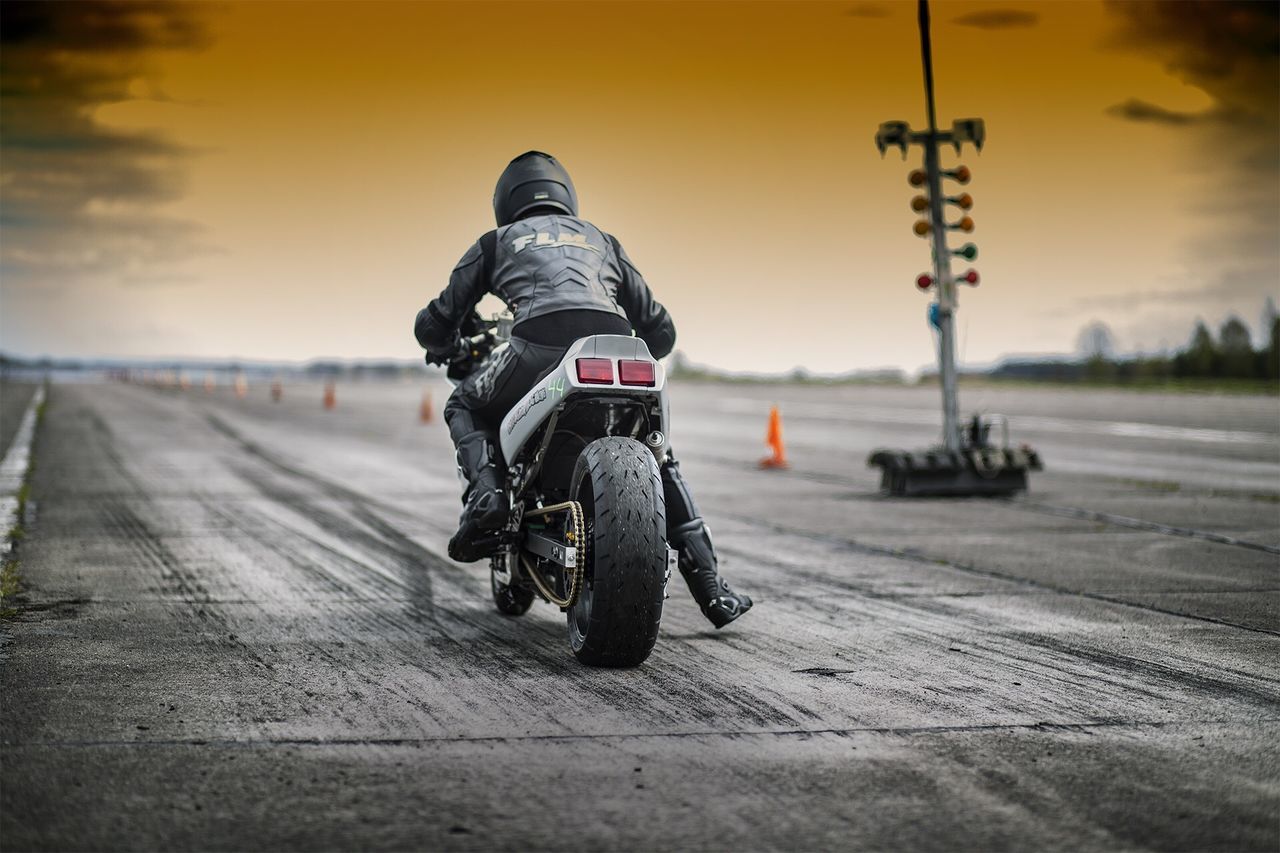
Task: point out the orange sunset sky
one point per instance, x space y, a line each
295 180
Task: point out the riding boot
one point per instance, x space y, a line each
688 534
484 502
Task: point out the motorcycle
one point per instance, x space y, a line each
587 527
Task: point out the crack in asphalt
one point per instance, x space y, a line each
391 599
1137 524
1076 726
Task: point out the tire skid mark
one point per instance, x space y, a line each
519 667
505 652
687 685
359 580
377 534
358 670
393 610
106 441
386 547
689 666
176 578
1114 662
684 680
1125 673
322 484
416 564
1027 506
913 555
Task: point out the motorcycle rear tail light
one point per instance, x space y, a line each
595 371
636 372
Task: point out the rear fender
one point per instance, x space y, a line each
562 383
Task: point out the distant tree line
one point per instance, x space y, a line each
1229 356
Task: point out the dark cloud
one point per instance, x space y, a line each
1135 109
101 26
998 19
867 10
1228 49
80 198
1231 52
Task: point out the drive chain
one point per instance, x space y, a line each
578 537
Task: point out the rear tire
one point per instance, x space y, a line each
615 620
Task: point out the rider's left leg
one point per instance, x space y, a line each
474 411
484 501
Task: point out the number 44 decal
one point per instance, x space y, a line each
557 386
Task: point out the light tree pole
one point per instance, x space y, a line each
969 465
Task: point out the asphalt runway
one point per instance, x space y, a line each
241 632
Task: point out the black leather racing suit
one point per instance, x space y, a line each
563 279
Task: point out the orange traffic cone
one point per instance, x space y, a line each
277 391
208 383
427 413
241 385
330 395
774 439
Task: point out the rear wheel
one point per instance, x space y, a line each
615 620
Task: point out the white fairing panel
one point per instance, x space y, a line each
536 406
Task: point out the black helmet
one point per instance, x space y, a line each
533 180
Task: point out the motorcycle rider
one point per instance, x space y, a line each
562 279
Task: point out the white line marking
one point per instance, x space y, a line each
13 469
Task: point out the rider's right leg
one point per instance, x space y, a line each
689 535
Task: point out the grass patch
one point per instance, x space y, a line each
10 586
1169 487
10 579
1154 485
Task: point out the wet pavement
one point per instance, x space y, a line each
241 632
